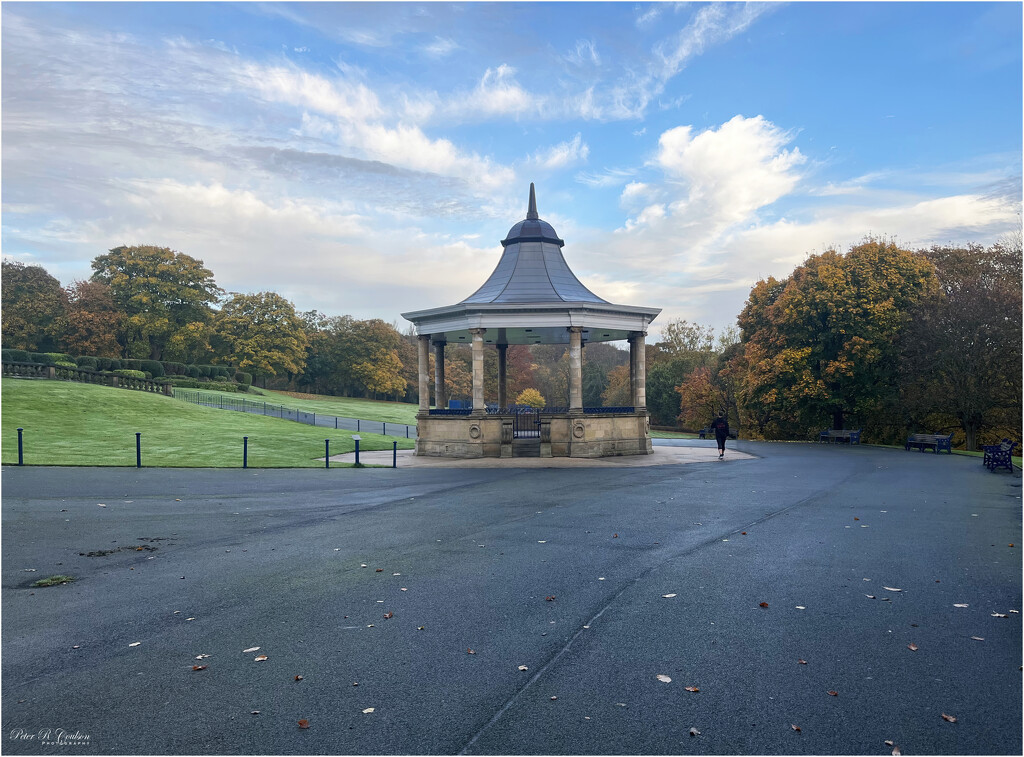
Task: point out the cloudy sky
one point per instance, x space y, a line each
366 159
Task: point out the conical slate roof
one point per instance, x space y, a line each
531 268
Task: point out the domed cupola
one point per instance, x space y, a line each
531 268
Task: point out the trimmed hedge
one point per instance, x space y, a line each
15 356
243 378
88 363
128 373
49 358
154 367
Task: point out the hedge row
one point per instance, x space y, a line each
155 368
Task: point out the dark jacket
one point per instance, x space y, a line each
721 428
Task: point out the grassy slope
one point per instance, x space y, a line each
344 407
67 423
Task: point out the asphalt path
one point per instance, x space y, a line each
575 590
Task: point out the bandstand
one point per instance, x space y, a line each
532 297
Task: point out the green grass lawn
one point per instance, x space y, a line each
673 435
68 423
344 407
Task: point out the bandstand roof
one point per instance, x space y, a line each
532 297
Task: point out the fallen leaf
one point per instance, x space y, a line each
802 662
694 732
303 723
542 542
795 728
362 565
298 678
403 590
763 604
856 518
667 596
379 570
255 712
549 599
948 718
553 698
396 574
896 751
663 678
261 658
870 596
832 693
889 588
100 505
523 667
887 599
135 643
999 615
199 667
420 628
743 533
370 625
912 647
388 615
250 649
368 710
470 651
693 689
189 618
1016 611
978 638
964 605
615 536
889 743
202 656
800 607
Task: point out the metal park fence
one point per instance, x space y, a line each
244 405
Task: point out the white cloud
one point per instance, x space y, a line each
497 94
585 52
441 47
341 98
563 154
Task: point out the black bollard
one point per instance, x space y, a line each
21 455
394 454
138 449
245 451
327 453
357 449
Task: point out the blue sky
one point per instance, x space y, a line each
366 158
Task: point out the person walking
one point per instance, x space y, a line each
721 427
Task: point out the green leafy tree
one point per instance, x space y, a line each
261 334
34 305
160 291
961 351
823 344
595 381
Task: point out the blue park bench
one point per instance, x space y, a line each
999 455
834 435
937 442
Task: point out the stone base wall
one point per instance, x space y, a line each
562 435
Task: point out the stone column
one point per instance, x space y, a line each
423 344
478 370
638 365
502 376
440 392
575 368
632 368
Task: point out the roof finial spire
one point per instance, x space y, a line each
531 213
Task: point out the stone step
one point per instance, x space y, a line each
526 448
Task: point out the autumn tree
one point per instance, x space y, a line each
33 305
160 292
619 392
92 321
261 334
822 344
961 351
531 398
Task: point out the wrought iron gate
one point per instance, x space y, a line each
526 424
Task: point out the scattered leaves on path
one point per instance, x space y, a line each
999 615
553 698
870 596
388 615
832 693
694 732
379 570
470 651
763 604
978 638
100 505
961 605
303 723
615 536
889 588
800 607
802 662
692 689
299 678
202 656
523 667
549 598
912 647
135 643
795 728
261 658
368 710
896 752
250 649
199 667
663 678
667 596
889 743
948 718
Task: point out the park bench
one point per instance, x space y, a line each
999 455
833 435
937 442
